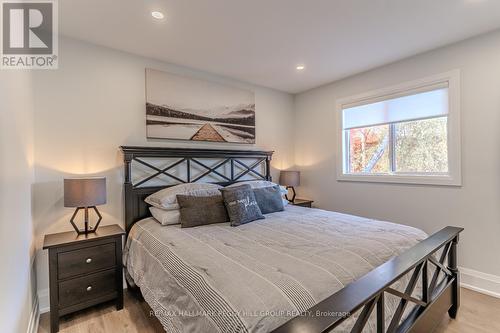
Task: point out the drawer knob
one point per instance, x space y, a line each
88 261
89 288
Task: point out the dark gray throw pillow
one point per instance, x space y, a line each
201 210
241 204
269 199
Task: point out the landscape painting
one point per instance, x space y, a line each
184 108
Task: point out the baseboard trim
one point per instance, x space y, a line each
43 300
484 283
34 317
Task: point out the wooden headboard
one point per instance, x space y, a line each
223 166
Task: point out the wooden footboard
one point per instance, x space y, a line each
440 292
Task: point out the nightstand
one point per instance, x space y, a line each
84 270
302 203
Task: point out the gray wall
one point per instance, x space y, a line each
475 205
16 177
94 103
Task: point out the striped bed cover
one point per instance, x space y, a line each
255 277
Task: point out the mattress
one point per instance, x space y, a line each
257 276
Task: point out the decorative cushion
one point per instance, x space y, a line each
201 210
166 217
167 198
263 183
241 204
257 184
269 199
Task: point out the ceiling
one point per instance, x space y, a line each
262 41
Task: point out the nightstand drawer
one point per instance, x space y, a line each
86 288
86 260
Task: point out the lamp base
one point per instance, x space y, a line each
293 196
87 229
85 232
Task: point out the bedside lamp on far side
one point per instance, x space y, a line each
85 193
290 179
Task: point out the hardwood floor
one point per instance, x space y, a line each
478 314
105 319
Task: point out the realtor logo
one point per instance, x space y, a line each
29 34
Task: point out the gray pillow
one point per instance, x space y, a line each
241 204
269 199
196 210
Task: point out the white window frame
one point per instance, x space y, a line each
452 178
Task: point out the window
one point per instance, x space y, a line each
404 134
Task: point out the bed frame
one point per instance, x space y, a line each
433 262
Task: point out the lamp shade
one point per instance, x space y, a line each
290 178
84 192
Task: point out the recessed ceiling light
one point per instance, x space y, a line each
300 67
158 15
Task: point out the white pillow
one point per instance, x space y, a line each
263 183
167 198
166 217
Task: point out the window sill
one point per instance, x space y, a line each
440 180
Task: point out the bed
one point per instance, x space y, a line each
300 270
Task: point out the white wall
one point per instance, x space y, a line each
475 205
16 176
94 103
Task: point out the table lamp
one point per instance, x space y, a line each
290 179
85 193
